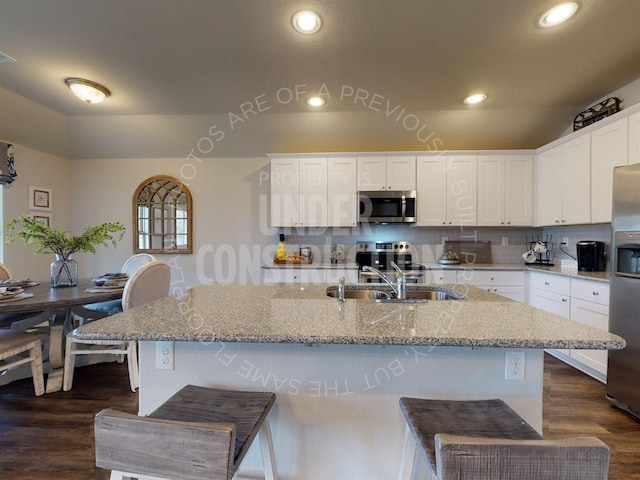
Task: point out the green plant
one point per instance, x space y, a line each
58 241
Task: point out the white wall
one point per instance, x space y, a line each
42 170
229 214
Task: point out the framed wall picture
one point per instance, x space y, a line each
44 218
40 198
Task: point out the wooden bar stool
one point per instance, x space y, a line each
487 440
13 346
199 433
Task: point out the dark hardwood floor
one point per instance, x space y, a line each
52 436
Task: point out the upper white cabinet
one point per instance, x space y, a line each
387 173
634 138
505 190
342 191
299 192
563 183
447 190
284 192
609 146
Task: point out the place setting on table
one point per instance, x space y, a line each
13 290
108 282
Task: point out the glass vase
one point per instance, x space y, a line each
64 271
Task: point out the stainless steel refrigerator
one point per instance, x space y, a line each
623 372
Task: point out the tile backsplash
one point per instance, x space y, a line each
507 244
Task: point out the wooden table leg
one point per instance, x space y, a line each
59 325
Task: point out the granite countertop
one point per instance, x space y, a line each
518 267
286 313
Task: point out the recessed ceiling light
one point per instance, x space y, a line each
307 22
558 14
475 98
315 101
86 90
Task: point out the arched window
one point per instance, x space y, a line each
162 216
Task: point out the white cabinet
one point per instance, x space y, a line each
294 275
284 192
387 173
609 146
431 180
507 284
505 190
299 192
350 275
563 183
447 190
440 276
590 306
634 138
314 192
342 192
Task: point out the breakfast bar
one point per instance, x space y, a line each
339 368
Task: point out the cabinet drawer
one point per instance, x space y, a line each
551 302
597 292
293 275
440 276
491 277
551 283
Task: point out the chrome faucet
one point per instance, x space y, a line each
399 288
401 282
341 290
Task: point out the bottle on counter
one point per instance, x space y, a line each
282 254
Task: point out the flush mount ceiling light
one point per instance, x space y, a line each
315 101
475 98
86 90
307 22
558 14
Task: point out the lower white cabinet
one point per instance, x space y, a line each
294 275
309 275
440 276
506 283
585 301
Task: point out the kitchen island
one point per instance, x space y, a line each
338 369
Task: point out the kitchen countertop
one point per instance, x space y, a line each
303 314
520 267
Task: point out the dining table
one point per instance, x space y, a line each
53 311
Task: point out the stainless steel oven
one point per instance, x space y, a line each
380 255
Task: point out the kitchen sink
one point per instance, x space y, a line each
420 295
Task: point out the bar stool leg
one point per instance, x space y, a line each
408 455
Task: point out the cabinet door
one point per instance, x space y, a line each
548 194
514 293
551 302
350 275
312 200
518 190
491 190
440 276
401 173
342 192
634 138
576 181
432 190
608 150
597 316
284 192
372 173
462 188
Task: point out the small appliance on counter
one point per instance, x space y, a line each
591 256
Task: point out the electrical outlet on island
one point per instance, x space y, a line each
514 366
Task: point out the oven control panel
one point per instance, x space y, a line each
382 247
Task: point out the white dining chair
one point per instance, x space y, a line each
103 309
13 346
150 282
5 273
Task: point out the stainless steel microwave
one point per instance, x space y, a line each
388 206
